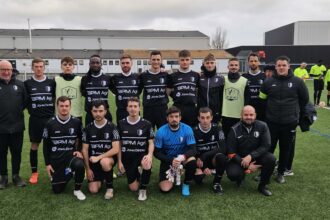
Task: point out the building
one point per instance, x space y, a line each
300 33
66 39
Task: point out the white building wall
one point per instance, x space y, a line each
96 43
312 33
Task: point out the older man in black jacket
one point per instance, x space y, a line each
248 143
285 95
13 99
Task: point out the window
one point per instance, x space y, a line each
117 62
75 62
139 62
145 62
111 62
172 62
81 62
192 62
104 62
46 62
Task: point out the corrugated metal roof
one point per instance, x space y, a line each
102 33
106 54
57 54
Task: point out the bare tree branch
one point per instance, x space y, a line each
219 39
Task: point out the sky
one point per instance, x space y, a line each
244 21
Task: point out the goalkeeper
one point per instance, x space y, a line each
175 146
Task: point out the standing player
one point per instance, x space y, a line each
13 100
317 72
210 146
100 149
68 84
175 146
248 144
234 96
125 86
286 96
255 79
62 146
301 71
41 106
137 148
183 89
154 82
327 84
210 88
95 87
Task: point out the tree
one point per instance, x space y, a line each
219 39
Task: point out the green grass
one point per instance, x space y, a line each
304 196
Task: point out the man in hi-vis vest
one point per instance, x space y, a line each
234 96
68 84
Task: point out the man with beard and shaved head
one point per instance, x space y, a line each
248 143
175 145
13 99
95 86
255 79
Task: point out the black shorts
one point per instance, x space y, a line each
156 115
121 114
62 171
318 84
36 128
208 163
131 165
189 114
98 171
328 86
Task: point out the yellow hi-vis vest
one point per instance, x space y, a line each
317 70
233 97
70 89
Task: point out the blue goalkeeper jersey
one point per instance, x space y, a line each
174 142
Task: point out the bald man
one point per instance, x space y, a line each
13 99
248 143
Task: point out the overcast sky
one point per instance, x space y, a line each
245 21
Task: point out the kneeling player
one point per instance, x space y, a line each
62 136
100 147
137 148
210 146
175 145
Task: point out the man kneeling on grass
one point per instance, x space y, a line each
175 146
62 146
100 149
248 143
137 148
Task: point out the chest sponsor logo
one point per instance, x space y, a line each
231 94
256 134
